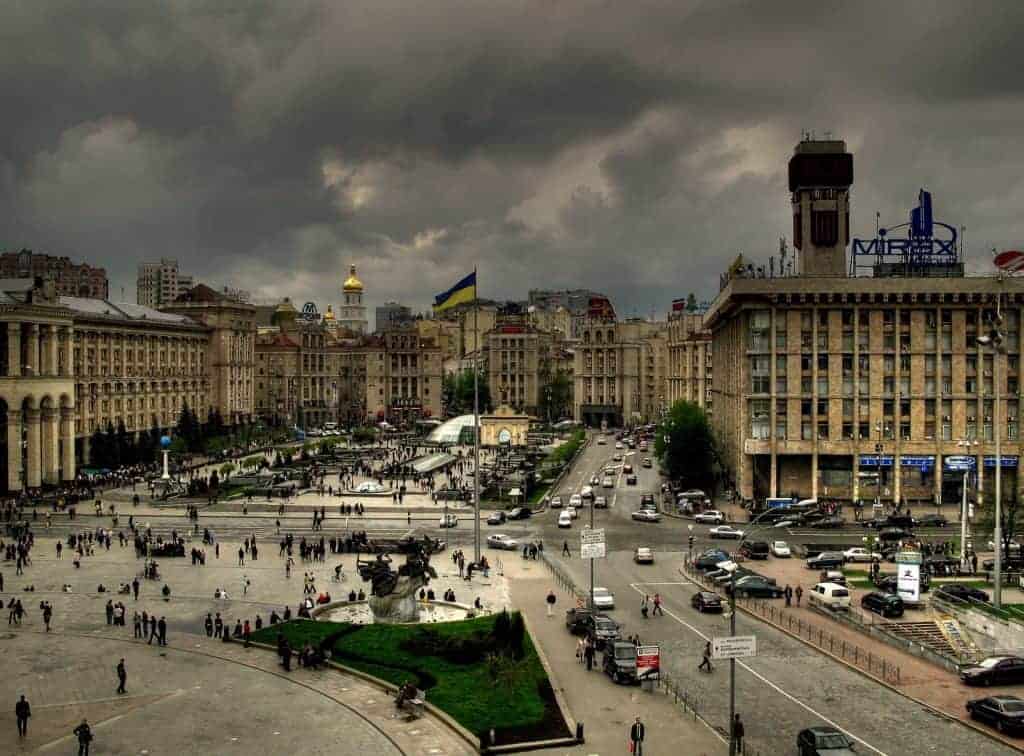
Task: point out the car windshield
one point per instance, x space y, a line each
1013 707
833 740
840 592
990 663
605 624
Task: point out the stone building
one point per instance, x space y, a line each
519 359
160 283
689 367
71 279
403 376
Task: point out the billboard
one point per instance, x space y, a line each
908 582
648 662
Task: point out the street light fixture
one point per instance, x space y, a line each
966 444
994 339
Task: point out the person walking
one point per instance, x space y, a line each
122 676
22 711
208 625
47 615
799 593
788 593
84 734
565 549
218 625
588 654
135 588
657 605
152 630
245 585
737 733
636 737
706 661
162 627
137 625
550 600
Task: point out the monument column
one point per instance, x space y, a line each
34 450
32 356
51 350
51 445
14 349
67 435
14 448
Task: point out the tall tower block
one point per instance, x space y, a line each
820 176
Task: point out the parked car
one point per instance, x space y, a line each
1005 713
727 575
706 601
502 541
497 518
823 741
448 521
959 592
710 559
995 670
886 604
646 515
556 502
826 559
646 462
1013 563
631 480
643 555
519 513
780 549
932 521
834 576
899 521
711 515
725 531
619 662
754 586
860 554
603 598
830 596
602 628
564 519
600 503
754 549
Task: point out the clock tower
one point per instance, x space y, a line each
820 176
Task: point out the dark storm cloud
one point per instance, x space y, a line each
632 147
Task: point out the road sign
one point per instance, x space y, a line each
648 662
734 647
592 544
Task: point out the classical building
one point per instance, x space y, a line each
160 283
862 388
519 363
352 313
71 279
620 372
689 368
403 376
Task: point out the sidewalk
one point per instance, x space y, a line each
605 709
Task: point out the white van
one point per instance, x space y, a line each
830 596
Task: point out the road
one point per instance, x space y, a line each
788 686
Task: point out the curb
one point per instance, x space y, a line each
924 704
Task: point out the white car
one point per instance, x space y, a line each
725 531
564 519
643 555
502 541
608 483
600 503
711 515
595 480
556 502
860 554
648 515
601 441
573 512
618 444
448 521
603 598
780 549
575 500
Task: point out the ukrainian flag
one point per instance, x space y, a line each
463 291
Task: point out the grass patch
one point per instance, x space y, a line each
512 697
539 493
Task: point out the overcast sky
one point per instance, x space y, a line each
631 147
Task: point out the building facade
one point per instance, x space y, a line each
690 366
519 359
391 314
71 279
160 283
402 376
352 313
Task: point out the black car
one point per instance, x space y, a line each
1009 563
647 501
706 601
826 560
995 670
497 518
1005 713
888 583
828 523
754 549
519 513
602 628
823 741
710 559
894 534
631 480
959 592
755 586
885 604
932 521
899 521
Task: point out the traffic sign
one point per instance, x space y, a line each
592 545
734 647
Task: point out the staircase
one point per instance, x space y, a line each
957 636
928 634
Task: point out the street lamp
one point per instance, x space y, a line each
965 444
880 428
994 339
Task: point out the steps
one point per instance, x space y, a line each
928 634
958 637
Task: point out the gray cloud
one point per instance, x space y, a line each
630 147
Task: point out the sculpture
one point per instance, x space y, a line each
393 593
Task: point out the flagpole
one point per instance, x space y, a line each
476 423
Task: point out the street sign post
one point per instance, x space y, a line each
592 544
734 647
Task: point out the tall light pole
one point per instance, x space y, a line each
966 444
994 338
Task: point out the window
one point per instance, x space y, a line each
822 430
780 335
847 431
823 362
760 419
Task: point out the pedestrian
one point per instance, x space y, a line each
636 737
737 733
241 557
47 615
565 549
588 655
551 602
974 563
122 676
22 711
246 632
218 625
208 625
799 593
580 645
643 606
245 585
109 609
706 662
135 588
137 625
84 735
162 627
657 605
788 593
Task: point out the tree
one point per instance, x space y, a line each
685 446
126 452
1011 517
112 447
98 455
555 396
462 393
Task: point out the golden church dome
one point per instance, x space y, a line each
352 283
329 315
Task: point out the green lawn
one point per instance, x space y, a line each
518 705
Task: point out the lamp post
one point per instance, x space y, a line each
880 428
966 444
994 339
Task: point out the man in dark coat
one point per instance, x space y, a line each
22 711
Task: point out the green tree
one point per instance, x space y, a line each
1011 520
462 402
685 446
555 396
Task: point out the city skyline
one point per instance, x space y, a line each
549 146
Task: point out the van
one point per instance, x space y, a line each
830 596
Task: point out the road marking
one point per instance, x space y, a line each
666 582
764 679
